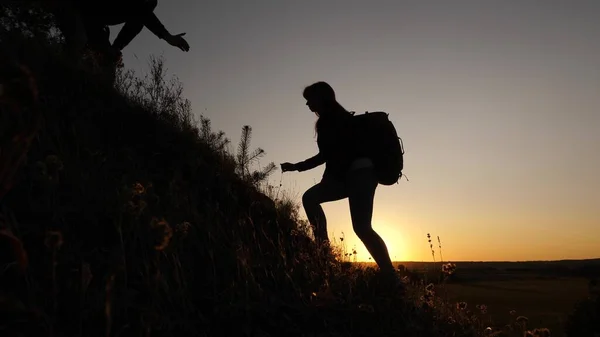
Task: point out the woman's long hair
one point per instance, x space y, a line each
324 93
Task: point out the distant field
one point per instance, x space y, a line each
546 302
545 292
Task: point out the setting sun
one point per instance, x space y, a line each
393 238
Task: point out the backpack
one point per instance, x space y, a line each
377 137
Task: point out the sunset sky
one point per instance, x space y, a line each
497 103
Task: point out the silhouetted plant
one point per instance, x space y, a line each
431 246
216 140
440 246
245 158
158 95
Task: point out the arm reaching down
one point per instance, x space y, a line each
151 21
130 30
156 27
147 18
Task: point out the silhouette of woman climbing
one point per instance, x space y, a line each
349 173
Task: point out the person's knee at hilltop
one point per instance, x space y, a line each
86 24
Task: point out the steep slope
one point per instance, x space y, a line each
121 194
134 221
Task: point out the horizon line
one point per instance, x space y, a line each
492 261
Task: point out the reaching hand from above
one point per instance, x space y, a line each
178 41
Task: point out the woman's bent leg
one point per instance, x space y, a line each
312 199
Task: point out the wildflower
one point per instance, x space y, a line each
482 307
541 332
512 312
53 240
448 268
488 331
451 320
166 232
429 287
138 189
431 246
522 321
461 305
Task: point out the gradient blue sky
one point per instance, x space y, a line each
497 103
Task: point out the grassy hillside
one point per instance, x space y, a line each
136 221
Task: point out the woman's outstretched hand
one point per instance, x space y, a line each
288 167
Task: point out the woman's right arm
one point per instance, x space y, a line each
310 163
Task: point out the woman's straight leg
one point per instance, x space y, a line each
361 186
